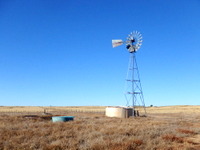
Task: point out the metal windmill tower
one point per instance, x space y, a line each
133 89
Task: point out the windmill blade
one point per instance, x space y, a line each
116 43
140 40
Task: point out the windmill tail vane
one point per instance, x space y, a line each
116 43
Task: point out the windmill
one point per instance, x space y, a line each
133 89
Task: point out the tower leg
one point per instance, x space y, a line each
133 89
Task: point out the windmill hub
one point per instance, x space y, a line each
133 40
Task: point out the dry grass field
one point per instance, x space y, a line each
51 109
164 128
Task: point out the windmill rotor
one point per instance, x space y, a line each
134 41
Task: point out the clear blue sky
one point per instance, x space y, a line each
59 53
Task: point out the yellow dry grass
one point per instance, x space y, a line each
165 128
52 108
20 108
185 109
175 109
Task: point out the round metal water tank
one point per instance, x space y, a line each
62 118
120 112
